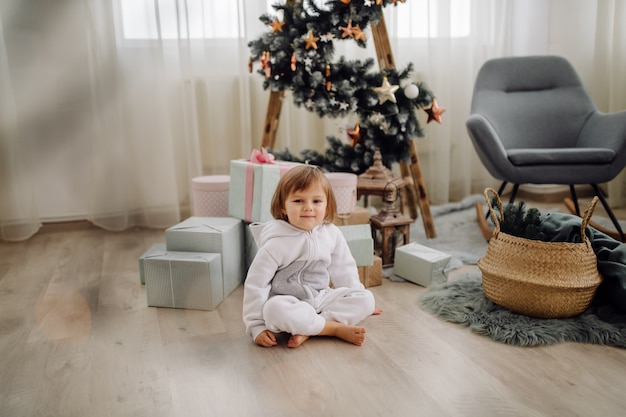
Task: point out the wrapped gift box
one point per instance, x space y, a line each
223 235
154 249
371 276
361 243
252 187
191 280
210 195
360 215
251 246
421 264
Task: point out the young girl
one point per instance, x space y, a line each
300 252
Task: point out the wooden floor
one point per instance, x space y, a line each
77 339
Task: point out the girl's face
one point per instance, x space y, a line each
306 209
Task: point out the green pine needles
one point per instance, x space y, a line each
520 221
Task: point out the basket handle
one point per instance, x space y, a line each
583 226
495 219
586 217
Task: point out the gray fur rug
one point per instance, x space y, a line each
457 231
462 301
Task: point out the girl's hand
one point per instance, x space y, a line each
266 339
377 311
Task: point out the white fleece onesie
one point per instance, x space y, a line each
288 284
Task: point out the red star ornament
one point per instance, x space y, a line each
434 112
347 31
355 134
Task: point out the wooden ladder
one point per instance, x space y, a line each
417 194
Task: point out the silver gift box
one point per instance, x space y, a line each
223 235
420 264
190 280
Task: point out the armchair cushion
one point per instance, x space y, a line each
567 156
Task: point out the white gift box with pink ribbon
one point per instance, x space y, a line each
252 185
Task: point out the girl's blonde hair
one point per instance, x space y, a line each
300 178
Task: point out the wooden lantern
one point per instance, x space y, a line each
390 228
375 179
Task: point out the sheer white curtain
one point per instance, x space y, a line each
108 108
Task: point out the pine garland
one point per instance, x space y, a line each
297 55
520 221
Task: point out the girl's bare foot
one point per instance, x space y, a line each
351 334
296 340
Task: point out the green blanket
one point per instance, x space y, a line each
611 254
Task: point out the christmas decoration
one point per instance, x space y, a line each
355 134
276 25
311 41
386 92
297 55
411 91
434 112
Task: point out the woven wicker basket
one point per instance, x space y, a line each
537 278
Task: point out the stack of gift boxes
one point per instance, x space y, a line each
204 259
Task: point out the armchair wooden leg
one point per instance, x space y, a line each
618 234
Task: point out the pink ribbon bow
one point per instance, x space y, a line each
261 157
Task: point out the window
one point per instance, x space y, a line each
434 19
179 19
219 19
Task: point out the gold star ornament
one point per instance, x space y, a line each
311 41
276 25
386 92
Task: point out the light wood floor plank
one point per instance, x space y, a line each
77 338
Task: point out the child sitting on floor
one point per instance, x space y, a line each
300 252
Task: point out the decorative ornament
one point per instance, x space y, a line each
293 61
367 3
328 83
328 37
346 2
358 34
386 92
311 41
276 25
267 66
411 91
355 134
379 2
434 112
347 31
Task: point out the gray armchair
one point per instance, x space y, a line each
532 122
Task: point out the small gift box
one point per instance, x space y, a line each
154 249
421 264
344 189
252 185
371 276
190 280
223 235
210 195
360 215
361 243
